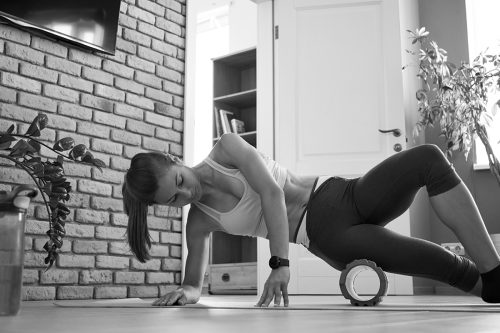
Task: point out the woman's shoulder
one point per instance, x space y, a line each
227 145
219 152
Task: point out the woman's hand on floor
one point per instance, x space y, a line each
176 297
276 286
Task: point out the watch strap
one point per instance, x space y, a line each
276 262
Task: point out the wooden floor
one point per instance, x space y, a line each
44 317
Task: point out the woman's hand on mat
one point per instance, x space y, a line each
176 297
276 286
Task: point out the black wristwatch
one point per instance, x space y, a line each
276 262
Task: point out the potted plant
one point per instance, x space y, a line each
456 96
49 177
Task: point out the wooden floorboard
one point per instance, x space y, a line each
44 317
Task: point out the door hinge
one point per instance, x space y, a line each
276 31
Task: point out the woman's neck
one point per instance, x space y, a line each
205 176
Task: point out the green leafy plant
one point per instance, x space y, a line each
49 177
456 96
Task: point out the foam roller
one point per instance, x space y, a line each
348 276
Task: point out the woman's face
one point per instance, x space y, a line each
178 187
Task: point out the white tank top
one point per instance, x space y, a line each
247 217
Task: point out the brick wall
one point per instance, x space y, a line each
117 105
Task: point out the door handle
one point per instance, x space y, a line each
396 131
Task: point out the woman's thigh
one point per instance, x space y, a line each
388 189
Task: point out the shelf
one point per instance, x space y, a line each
239 59
240 100
246 135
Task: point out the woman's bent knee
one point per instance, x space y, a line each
438 173
431 153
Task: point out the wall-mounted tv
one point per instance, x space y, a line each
89 23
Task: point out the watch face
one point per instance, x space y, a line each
274 262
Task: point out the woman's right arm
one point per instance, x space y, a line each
198 230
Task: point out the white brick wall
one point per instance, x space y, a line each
118 106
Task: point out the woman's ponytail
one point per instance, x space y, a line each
138 236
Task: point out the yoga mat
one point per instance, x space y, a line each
337 304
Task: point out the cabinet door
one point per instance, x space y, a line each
338 80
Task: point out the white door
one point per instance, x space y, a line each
338 80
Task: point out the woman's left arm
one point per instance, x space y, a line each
236 151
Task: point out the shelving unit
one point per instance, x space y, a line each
233 259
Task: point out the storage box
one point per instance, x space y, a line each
234 278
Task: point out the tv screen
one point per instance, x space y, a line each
89 23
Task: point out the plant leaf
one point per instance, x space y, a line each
59 229
59 161
78 151
87 157
21 148
38 124
64 144
4 146
33 161
38 170
7 138
35 145
43 120
52 172
98 164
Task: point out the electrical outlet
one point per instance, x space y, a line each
456 248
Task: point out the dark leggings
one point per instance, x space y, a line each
346 218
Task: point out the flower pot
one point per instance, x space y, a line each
13 207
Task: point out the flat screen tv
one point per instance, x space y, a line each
89 23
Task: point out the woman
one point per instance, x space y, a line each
239 191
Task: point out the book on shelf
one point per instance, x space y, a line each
217 124
225 120
238 126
